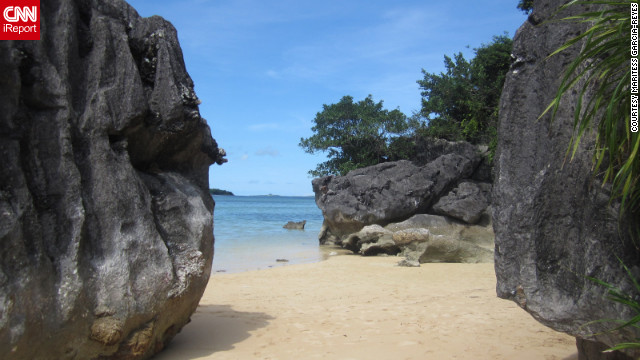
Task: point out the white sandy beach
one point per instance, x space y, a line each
351 307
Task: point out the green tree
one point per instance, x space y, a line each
462 102
445 98
354 135
526 6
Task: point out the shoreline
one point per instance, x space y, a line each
353 307
275 260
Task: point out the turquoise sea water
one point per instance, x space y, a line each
249 234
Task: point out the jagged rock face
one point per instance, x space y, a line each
467 202
387 192
429 149
553 221
106 223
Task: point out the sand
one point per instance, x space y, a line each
352 307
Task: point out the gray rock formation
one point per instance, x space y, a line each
383 245
425 238
435 223
433 238
553 221
387 192
375 238
295 225
106 224
446 249
398 195
467 202
429 149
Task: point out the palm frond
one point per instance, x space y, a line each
601 72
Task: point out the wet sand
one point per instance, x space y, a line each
352 307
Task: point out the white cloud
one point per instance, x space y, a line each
268 151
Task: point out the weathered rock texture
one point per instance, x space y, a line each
448 241
106 223
553 222
425 238
389 192
467 202
357 206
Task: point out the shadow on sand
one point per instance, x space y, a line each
213 328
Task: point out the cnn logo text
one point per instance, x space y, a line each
20 20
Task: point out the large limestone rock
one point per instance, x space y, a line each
387 192
467 202
105 219
553 221
399 196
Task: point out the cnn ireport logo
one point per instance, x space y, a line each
20 20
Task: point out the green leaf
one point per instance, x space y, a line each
602 64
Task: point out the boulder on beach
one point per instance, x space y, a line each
392 191
408 263
106 237
433 238
293 225
389 207
367 235
425 238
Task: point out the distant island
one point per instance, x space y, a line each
220 192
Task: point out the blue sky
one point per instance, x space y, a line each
263 69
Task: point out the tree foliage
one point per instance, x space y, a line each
459 104
444 103
220 192
462 102
526 6
354 135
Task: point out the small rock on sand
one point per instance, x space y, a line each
408 263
